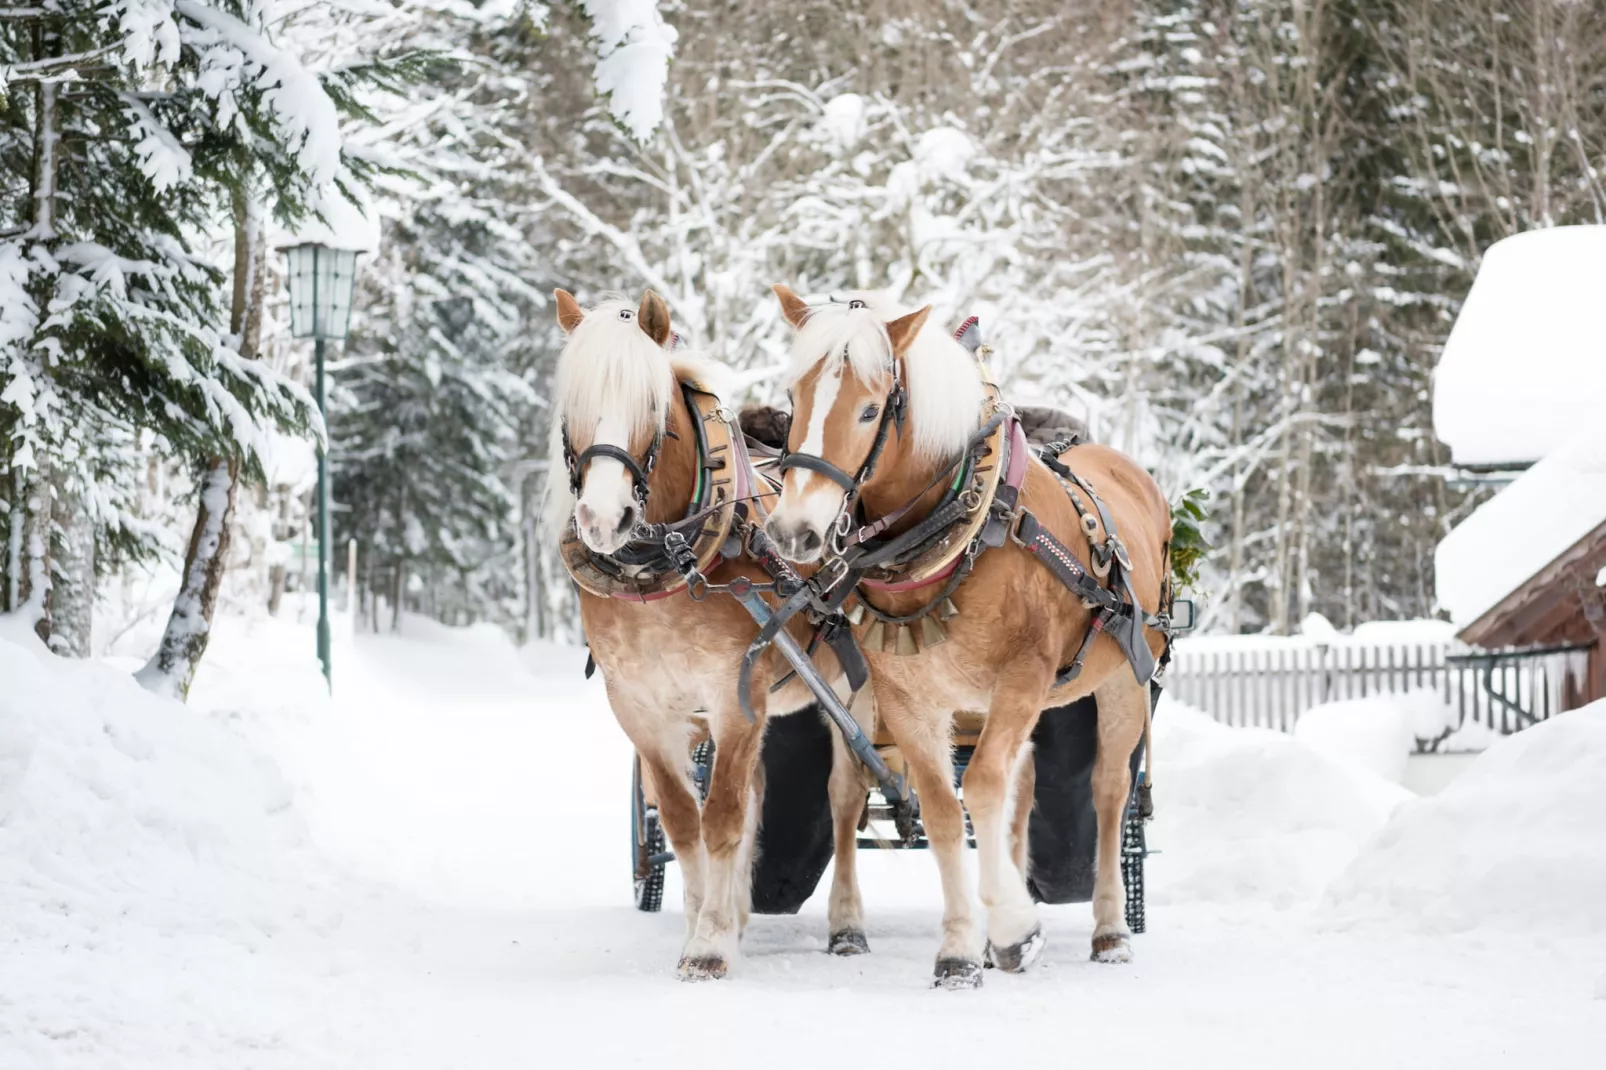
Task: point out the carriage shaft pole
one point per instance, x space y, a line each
852 734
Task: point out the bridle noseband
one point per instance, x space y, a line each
640 471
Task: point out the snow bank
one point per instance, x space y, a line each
1372 733
115 804
1552 505
1518 841
1525 363
1251 815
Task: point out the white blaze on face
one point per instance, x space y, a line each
606 492
810 499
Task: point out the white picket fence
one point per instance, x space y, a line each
1270 686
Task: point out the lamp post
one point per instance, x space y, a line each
321 284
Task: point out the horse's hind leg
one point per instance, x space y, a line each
725 824
1123 706
1013 932
846 913
1022 799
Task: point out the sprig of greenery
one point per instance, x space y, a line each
1188 542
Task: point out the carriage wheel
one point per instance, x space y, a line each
646 843
702 773
1133 852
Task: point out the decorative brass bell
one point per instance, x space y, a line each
948 611
931 633
906 641
856 614
873 637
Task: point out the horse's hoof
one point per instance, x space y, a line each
1017 957
1112 947
849 942
956 974
702 968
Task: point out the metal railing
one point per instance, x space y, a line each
1478 692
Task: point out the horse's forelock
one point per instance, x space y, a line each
945 386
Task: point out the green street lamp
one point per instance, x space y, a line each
321 284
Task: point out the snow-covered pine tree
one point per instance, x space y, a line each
434 390
114 319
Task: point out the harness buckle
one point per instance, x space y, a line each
831 573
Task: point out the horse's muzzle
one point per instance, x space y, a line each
797 542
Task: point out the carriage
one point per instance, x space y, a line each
795 846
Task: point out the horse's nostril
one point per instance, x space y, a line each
584 514
811 541
627 520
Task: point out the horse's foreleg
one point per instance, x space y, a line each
666 761
1013 932
926 743
1123 704
847 788
725 825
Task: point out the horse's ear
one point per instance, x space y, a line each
569 313
654 317
902 331
792 306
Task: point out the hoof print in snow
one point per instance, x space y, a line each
1112 947
1017 957
704 968
955 974
849 942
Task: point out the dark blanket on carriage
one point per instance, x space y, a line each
795 837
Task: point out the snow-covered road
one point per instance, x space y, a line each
432 872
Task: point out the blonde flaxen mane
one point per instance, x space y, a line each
944 384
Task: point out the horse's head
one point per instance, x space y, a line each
848 393
613 389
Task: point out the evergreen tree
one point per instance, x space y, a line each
131 121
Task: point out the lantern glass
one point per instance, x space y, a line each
321 284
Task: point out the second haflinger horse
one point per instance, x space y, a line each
659 485
993 579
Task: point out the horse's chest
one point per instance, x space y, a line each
665 658
942 676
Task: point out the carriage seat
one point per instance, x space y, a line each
1044 424
765 428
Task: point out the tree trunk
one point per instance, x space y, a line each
189 627
400 576
171 671
72 590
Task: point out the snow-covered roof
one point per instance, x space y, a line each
1514 535
1525 365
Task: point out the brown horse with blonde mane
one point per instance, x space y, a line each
895 425
656 462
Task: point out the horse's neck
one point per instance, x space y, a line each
674 479
896 480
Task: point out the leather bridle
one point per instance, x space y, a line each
893 412
640 471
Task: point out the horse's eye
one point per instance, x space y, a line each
870 413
